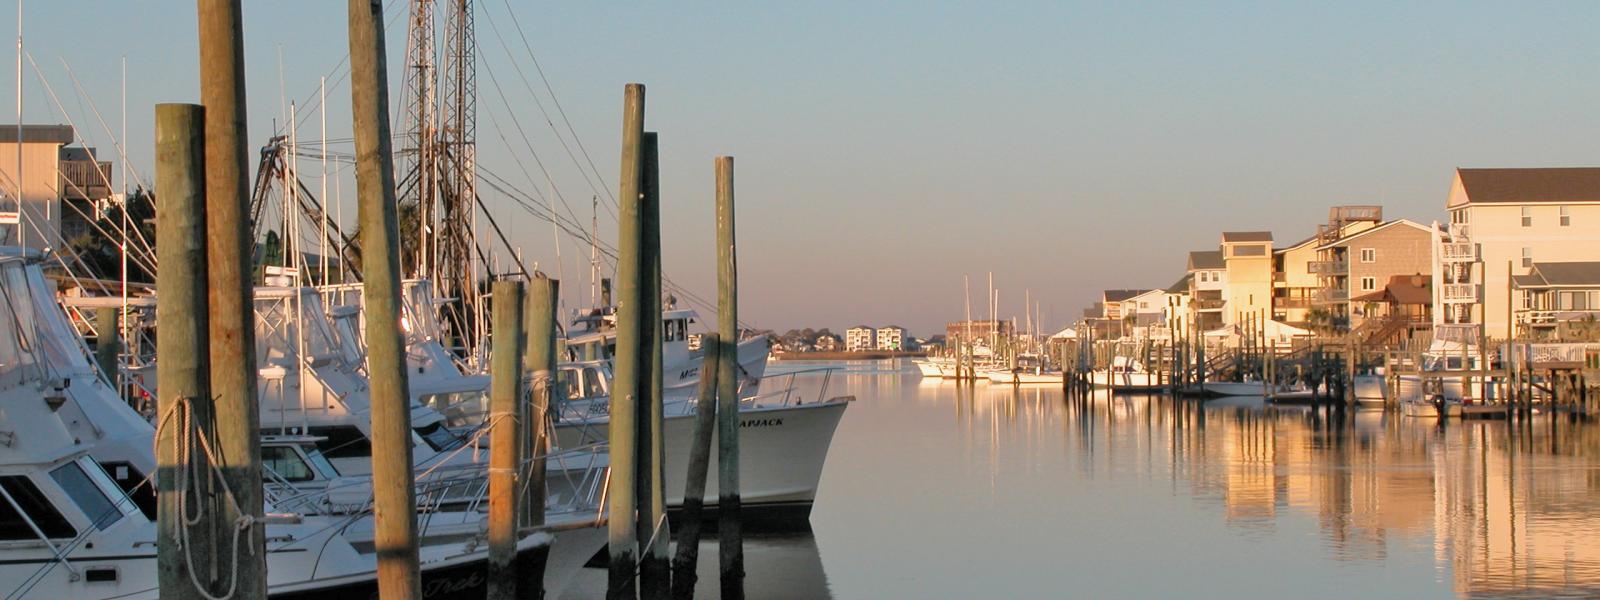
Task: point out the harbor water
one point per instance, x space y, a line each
937 491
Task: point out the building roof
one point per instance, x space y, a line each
1120 295
1561 184
1206 259
1403 289
1365 232
1246 236
37 134
1562 274
1181 286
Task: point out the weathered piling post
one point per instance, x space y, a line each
626 372
505 454
694 489
108 343
655 536
185 394
539 358
728 509
231 323
393 495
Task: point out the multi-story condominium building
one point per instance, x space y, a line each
1361 263
1503 222
1554 295
892 337
1208 275
1247 291
860 338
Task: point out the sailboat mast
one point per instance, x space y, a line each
322 238
22 234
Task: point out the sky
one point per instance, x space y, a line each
885 150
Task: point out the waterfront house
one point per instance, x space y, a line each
1556 294
1146 313
892 337
1207 276
1403 307
1502 222
53 175
860 338
1247 289
1361 263
828 342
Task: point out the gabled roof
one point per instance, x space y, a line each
1181 286
1120 295
1246 236
1562 274
1561 184
1206 259
1403 289
1365 232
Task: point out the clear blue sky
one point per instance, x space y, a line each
886 148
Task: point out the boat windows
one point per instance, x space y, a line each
286 464
321 462
36 508
441 438
342 442
591 382
90 497
677 330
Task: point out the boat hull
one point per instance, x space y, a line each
1025 378
782 451
1131 381
1228 388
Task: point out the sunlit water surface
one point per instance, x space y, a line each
935 491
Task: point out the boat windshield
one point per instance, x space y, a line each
90 497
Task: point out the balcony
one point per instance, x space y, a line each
85 180
1459 231
1457 252
1291 303
1328 267
1332 295
1208 304
1461 293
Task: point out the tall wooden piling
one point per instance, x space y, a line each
728 508
505 370
231 327
185 394
654 534
539 358
394 496
108 343
625 364
694 489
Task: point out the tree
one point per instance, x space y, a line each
100 246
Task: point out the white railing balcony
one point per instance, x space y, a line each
1459 231
1461 292
1333 295
1328 267
1458 252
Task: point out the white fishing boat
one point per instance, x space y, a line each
935 367
1126 375
1370 390
1022 376
783 439
593 336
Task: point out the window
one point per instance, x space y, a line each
35 507
1527 258
442 438
1527 216
342 442
285 463
1205 276
1369 255
1369 284
1566 216
1460 216
86 494
1574 301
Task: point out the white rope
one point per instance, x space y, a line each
182 411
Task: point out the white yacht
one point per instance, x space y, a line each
1126 375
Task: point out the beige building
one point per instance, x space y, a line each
1248 288
1362 263
860 338
1502 222
51 174
892 337
1208 275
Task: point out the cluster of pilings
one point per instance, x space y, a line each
208 389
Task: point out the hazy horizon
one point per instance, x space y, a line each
884 150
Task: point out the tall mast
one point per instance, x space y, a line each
322 238
594 251
22 235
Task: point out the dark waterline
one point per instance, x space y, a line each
998 492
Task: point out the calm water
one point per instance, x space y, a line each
931 492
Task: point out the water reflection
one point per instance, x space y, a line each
939 491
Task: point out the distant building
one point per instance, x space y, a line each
860 338
1247 292
1396 312
1556 293
828 342
981 331
1207 275
52 175
1361 263
892 337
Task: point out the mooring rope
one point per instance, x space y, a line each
182 411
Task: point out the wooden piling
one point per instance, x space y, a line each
185 394
505 454
539 358
654 534
108 343
231 326
694 491
728 507
394 495
625 363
